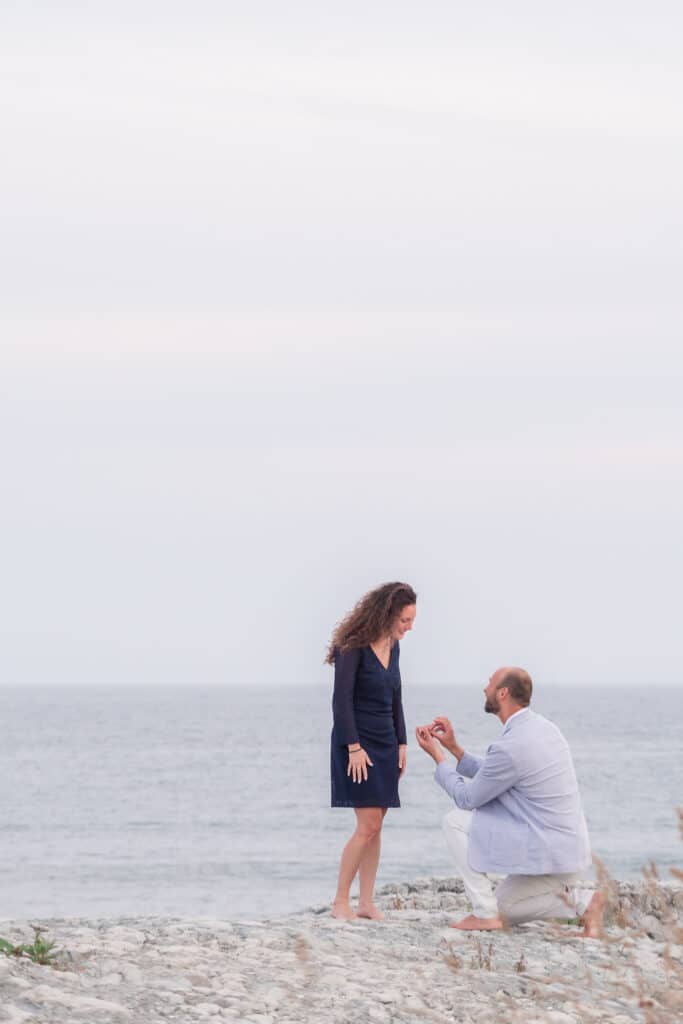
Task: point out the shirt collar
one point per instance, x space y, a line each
515 715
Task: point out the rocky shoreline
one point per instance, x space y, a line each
410 968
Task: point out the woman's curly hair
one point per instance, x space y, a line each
371 618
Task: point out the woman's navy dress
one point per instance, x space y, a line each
367 709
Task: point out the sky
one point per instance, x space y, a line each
297 299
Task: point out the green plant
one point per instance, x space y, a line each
39 951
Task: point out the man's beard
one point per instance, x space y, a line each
492 707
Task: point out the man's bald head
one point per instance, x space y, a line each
517 682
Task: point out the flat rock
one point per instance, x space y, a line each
309 967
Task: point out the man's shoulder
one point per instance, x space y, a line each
531 728
527 719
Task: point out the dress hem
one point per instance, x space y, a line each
373 804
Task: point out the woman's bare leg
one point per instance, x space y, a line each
367 873
368 827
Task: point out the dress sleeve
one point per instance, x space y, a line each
397 708
345 671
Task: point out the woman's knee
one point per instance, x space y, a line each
369 825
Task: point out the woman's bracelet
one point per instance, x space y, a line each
356 750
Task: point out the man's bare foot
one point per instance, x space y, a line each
478 924
371 911
593 915
341 909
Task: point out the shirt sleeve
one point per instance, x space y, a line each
496 775
399 719
345 671
469 765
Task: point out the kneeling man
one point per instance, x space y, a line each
519 815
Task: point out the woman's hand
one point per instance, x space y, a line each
358 765
402 757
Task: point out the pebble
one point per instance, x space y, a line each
311 968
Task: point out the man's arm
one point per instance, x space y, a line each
496 774
469 765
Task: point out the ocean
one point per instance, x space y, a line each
214 802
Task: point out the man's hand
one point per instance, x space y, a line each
429 743
442 729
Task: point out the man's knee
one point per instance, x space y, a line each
521 898
516 901
509 907
458 819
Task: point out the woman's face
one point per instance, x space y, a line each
403 622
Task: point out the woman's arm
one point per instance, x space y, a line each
400 726
345 729
399 719
345 671
397 705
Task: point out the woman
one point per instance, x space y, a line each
369 735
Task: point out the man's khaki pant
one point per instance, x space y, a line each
518 898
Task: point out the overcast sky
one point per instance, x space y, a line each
300 298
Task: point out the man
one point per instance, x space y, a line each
519 815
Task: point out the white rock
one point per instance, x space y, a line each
170 998
170 982
132 974
234 991
112 979
273 996
49 996
17 982
13 1015
309 969
387 996
198 980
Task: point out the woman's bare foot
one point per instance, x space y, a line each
593 915
370 910
341 909
478 924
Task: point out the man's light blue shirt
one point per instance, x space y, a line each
527 816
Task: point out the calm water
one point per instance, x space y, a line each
214 802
